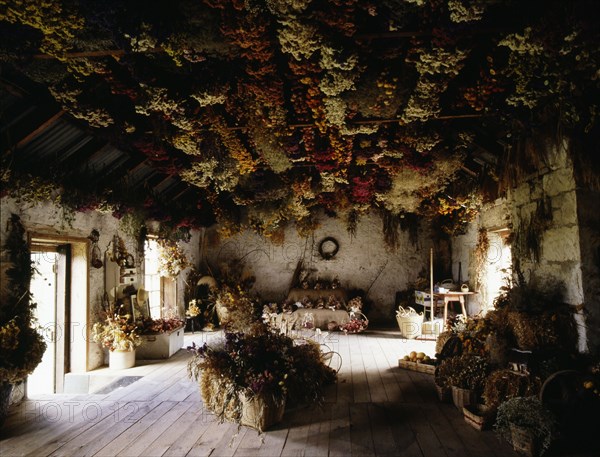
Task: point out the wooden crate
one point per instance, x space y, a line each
478 416
160 345
414 366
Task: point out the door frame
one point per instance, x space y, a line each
75 330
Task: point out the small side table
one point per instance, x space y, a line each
453 296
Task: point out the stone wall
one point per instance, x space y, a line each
560 258
589 235
560 247
48 219
363 262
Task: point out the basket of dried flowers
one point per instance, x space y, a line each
503 384
358 323
249 378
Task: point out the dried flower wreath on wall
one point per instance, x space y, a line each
328 248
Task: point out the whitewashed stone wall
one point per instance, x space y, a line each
48 219
363 262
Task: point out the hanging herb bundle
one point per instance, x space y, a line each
21 346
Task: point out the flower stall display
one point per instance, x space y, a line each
171 260
193 309
467 379
355 305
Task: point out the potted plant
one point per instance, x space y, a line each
467 378
248 378
120 337
526 424
442 379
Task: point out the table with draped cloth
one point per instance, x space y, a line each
321 317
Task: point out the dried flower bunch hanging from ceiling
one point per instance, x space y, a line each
339 105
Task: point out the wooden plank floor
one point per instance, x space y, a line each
375 409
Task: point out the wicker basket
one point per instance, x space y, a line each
409 321
261 411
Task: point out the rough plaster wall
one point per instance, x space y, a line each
48 219
589 234
363 262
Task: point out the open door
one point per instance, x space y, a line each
50 288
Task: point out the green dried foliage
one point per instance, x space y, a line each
504 384
21 346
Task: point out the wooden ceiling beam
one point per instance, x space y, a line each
46 124
137 167
164 180
180 194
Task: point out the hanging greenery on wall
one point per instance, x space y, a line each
21 346
530 230
480 254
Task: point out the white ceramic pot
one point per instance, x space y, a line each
120 360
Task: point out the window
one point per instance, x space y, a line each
162 292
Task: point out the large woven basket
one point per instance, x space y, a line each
261 411
409 321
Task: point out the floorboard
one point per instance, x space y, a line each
375 409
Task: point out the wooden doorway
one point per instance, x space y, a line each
50 288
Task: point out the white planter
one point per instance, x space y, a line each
120 360
160 345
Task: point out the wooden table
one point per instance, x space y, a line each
453 296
